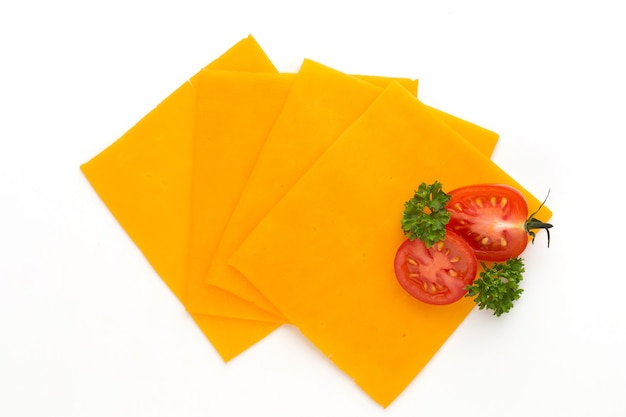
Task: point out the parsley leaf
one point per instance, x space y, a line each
425 215
498 286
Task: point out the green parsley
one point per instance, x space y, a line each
425 215
498 286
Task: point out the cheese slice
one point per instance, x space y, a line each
322 103
324 254
144 178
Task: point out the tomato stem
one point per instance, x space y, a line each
532 223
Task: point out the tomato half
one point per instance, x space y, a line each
439 274
491 218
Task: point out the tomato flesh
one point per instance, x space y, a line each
491 218
439 274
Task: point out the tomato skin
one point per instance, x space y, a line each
491 218
439 274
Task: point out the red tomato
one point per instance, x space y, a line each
492 218
439 274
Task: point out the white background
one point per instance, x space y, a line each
88 329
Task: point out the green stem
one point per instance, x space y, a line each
532 223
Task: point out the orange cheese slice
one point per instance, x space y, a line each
144 178
322 103
324 254
483 139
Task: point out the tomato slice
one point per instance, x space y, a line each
439 274
491 218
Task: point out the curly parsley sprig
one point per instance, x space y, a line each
425 215
498 286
